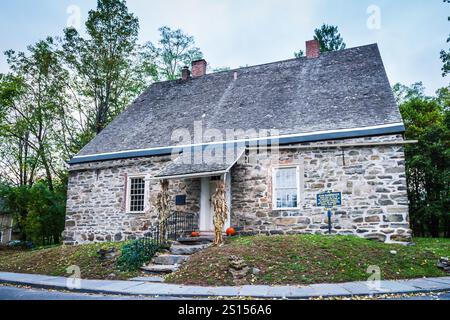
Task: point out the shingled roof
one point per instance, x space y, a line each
345 89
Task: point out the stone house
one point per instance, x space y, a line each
278 134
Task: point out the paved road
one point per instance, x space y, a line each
431 296
15 293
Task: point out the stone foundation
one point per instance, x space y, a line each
371 178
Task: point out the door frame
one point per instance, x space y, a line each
206 210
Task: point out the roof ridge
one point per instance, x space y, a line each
346 89
270 63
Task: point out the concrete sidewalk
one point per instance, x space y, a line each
136 288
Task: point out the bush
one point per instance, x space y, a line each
136 253
46 215
38 212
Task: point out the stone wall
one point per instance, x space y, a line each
371 178
96 209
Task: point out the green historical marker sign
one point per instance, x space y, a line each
329 200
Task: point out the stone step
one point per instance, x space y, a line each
195 241
187 250
160 268
168 259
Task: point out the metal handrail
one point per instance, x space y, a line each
177 225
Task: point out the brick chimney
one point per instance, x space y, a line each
312 49
185 73
199 68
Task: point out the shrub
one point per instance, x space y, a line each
46 215
38 212
136 253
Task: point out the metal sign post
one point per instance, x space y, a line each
329 220
329 200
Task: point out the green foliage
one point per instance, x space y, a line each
38 212
445 55
59 94
33 100
404 93
15 204
174 50
136 253
329 38
299 54
46 215
428 162
106 63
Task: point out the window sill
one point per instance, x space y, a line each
287 209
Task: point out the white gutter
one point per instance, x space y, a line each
339 145
180 147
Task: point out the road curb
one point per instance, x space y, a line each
136 288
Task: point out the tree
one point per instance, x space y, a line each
404 93
299 54
35 121
329 39
428 162
174 50
38 212
32 97
17 161
445 55
107 63
45 220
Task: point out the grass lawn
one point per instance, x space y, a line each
301 259
308 259
54 261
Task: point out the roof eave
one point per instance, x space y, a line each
397 128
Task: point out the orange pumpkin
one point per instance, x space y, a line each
195 234
231 232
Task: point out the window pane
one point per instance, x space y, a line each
137 194
286 178
287 198
286 185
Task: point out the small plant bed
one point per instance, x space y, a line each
308 259
54 261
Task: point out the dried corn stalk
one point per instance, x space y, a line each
162 205
221 212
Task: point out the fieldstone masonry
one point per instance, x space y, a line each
371 178
96 209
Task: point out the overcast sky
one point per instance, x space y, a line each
235 33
